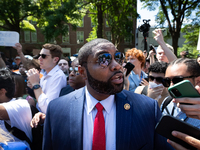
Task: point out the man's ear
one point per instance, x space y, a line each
82 72
3 91
56 59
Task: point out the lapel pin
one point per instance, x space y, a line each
127 106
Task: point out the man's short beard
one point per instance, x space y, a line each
104 87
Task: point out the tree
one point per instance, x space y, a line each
120 16
178 9
191 35
52 16
14 12
58 16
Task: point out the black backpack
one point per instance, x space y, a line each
37 133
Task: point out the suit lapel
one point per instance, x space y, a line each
76 120
123 121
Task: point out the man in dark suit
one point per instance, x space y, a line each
130 118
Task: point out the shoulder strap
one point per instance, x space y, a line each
166 102
17 133
37 133
144 91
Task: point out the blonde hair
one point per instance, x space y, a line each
4 136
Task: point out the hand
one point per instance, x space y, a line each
18 47
33 76
192 111
126 81
151 53
144 82
189 139
158 36
155 92
37 119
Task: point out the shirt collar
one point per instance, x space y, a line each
91 102
52 72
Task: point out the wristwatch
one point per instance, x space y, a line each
37 86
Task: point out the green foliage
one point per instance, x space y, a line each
26 25
193 52
120 16
52 16
13 12
93 34
56 18
191 35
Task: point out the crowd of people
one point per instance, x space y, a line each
49 103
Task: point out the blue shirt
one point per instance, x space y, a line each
135 80
14 146
173 110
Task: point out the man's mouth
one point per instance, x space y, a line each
117 78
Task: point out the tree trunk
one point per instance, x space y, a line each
175 39
100 21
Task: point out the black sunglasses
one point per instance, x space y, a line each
175 80
105 59
158 79
75 70
42 55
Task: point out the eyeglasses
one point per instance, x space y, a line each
42 55
75 70
175 80
60 64
105 59
158 79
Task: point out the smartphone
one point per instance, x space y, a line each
151 47
129 66
183 89
168 123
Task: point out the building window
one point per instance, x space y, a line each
128 39
108 35
80 37
65 38
34 36
30 36
27 37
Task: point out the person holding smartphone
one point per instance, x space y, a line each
177 71
137 76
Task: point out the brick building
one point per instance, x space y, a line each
71 43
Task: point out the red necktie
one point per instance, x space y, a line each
99 138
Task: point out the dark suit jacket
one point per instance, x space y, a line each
135 128
66 90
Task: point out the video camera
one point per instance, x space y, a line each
145 27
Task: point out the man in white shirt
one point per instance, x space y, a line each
53 80
128 119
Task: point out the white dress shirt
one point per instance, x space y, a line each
51 85
109 113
